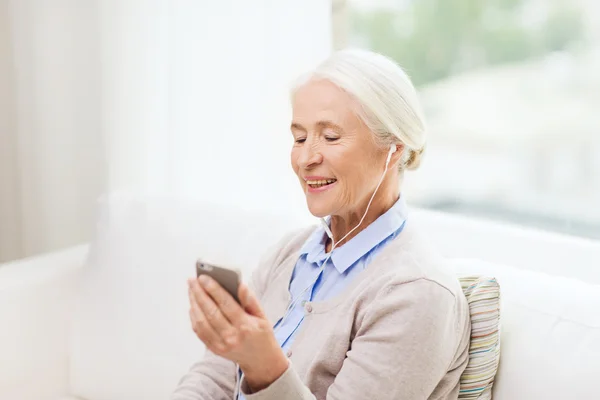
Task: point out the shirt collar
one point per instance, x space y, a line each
314 244
375 233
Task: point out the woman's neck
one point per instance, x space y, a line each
341 225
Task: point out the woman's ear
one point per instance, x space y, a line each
398 155
390 153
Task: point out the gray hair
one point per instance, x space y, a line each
389 105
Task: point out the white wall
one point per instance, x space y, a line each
195 100
50 137
230 106
10 231
185 97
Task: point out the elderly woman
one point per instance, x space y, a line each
359 307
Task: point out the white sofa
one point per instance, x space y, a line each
111 322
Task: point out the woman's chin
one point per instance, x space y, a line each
318 209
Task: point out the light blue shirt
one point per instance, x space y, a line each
345 263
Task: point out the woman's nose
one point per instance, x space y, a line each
309 155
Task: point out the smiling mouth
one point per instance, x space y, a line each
320 183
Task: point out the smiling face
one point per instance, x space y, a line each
335 155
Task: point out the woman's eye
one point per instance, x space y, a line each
300 140
331 138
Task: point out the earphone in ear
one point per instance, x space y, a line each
389 157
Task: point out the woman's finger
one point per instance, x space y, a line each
211 312
250 302
224 301
202 327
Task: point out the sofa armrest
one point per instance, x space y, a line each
36 296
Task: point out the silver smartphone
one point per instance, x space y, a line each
228 278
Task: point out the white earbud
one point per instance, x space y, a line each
389 157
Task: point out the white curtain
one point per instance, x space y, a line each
186 97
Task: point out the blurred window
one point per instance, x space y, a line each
511 91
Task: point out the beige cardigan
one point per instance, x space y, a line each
400 330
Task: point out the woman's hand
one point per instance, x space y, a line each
242 334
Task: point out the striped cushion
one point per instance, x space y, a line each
483 296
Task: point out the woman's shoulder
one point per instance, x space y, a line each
278 255
412 275
411 257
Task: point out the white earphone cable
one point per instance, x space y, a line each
294 302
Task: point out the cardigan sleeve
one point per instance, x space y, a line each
211 378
